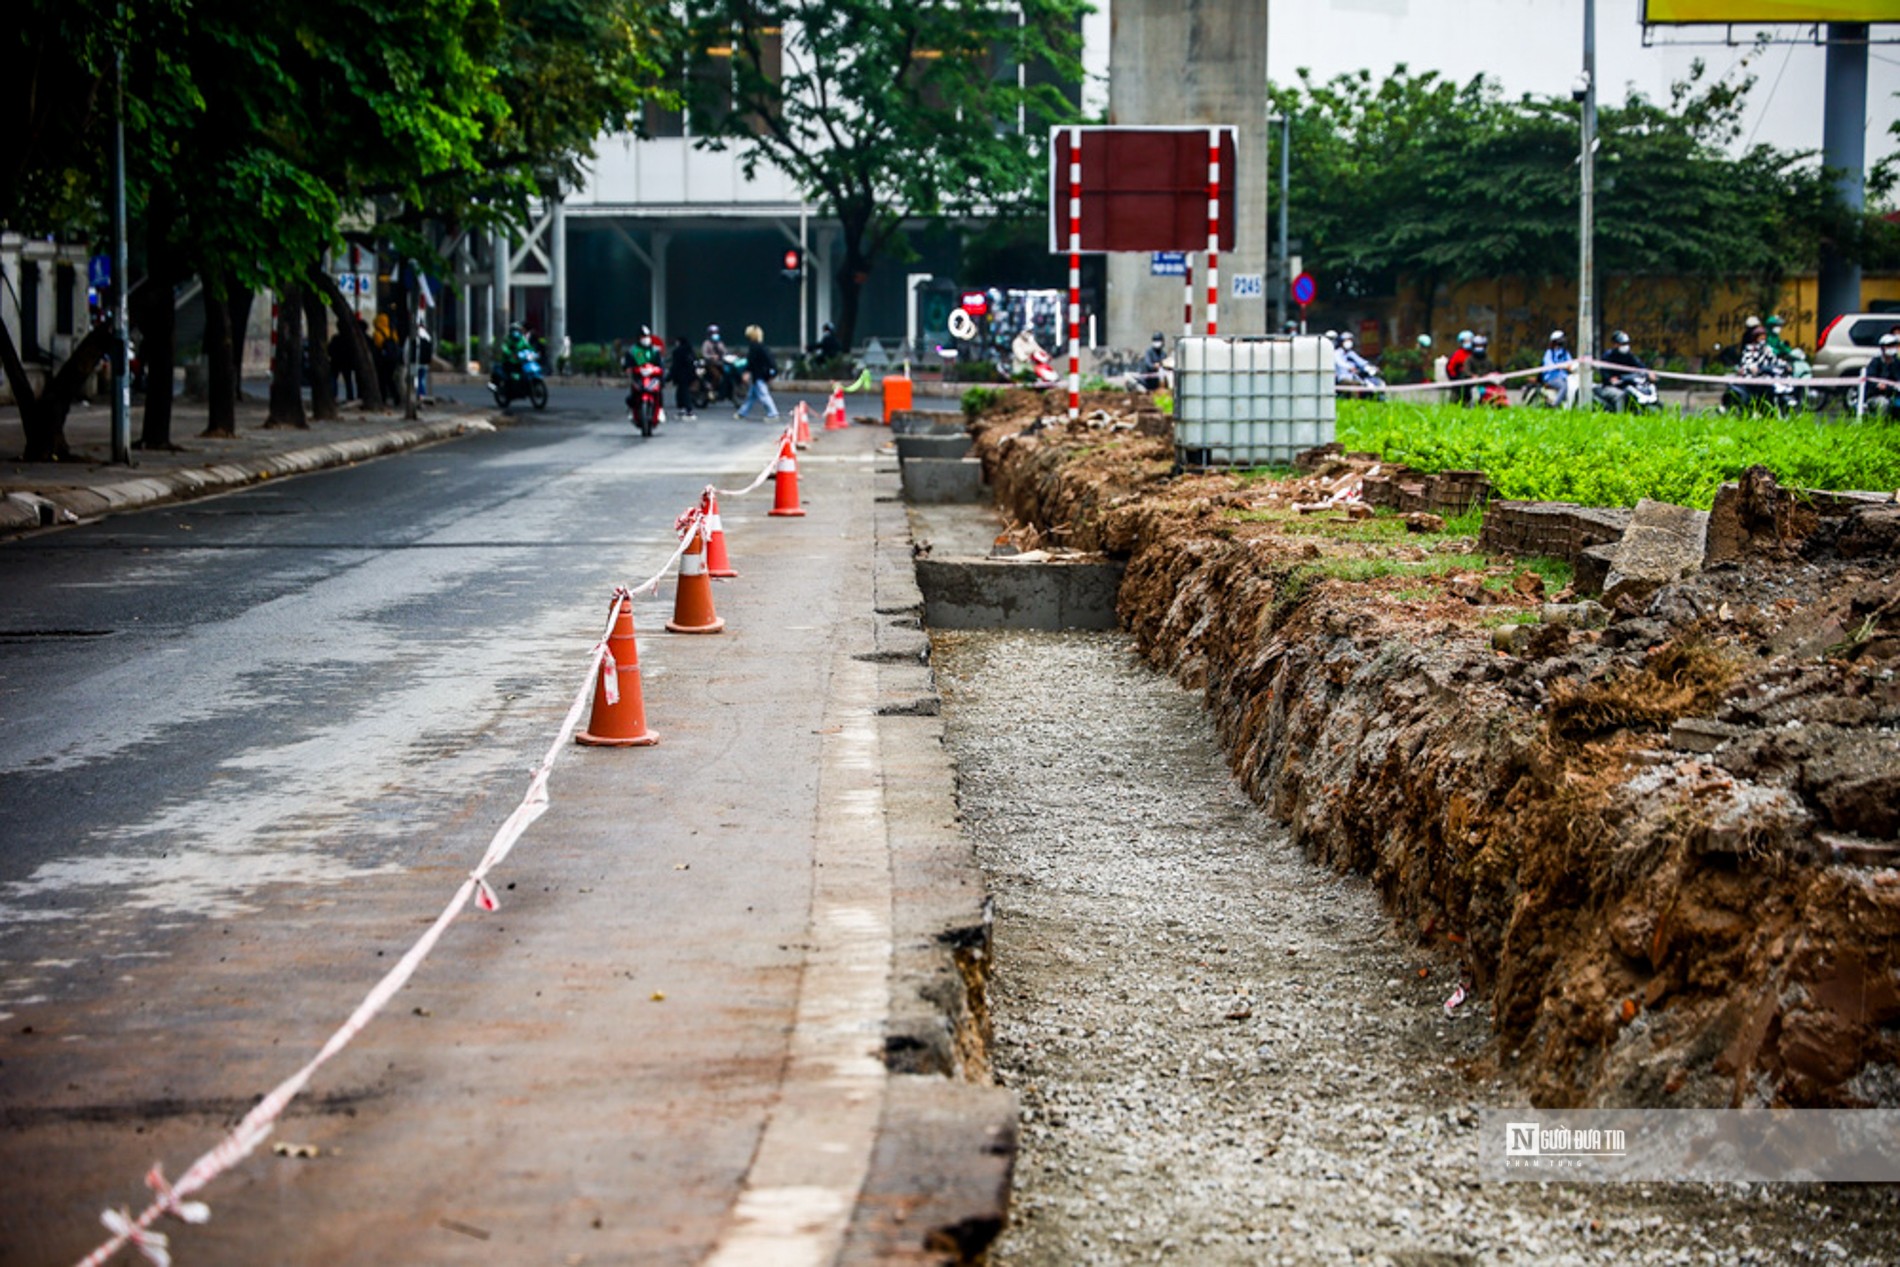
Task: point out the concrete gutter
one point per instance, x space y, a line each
25 510
938 1185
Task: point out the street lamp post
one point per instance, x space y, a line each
1286 183
1587 162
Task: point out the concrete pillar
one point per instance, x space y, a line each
1192 62
501 294
1844 146
658 242
557 275
823 255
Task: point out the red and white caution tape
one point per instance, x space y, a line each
243 1139
766 472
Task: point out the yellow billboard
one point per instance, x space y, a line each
1746 12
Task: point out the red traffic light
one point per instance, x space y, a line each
791 261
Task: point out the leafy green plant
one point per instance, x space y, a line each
1601 459
978 399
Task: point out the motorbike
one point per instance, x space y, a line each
1371 380
1629 393
525 379
1777 396
645 399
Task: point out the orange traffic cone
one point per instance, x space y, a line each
801 426
717 564
834 411
620 716
693 608
785 487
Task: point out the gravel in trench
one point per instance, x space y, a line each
1225 1053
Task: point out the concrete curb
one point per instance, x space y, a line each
938 1187
25 511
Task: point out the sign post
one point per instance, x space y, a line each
1304 288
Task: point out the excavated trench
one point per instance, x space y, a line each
1225 1053
1659 854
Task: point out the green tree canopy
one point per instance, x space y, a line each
884 112
1408 174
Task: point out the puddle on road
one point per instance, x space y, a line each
1223 1052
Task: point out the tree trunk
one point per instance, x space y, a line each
322 381
159 324
220 372
43 415
367 386
241 305
286 371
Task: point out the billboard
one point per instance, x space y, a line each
1747 12
1143 188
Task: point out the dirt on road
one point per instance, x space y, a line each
1662 850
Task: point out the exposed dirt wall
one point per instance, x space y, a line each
1663 848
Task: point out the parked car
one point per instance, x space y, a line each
1850 341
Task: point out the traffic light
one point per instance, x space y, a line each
793 265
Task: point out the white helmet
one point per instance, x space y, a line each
1556 336
1345 340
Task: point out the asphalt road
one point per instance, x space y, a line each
249 746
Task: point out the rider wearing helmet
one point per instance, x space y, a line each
1558 364
1349 368
712 351
1776 344
1149 372
1880 379
1614 389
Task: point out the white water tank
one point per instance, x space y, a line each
1251 401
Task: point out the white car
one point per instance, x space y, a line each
1850 341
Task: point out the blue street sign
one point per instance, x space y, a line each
99 272
1167 264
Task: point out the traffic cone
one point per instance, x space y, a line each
693 609
801 426
834 410
620 718
785 487
717 564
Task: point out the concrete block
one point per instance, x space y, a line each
999 594
943 480
910 446
939 422
1663 543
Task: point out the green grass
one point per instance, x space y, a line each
1602 459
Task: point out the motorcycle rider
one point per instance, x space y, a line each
1776 344
639 352
513 353
1880 380
1613 393
1351 369
828 348
1458 368
1558 364
1151 372
1476 368
1758 362
713 353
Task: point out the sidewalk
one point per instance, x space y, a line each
88 485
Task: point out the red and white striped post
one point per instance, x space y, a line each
1075 274
1213 232
1187 301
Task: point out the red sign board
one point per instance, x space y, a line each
975 302
1143 189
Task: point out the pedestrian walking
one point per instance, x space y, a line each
342 366
684 371
761 369
387 352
